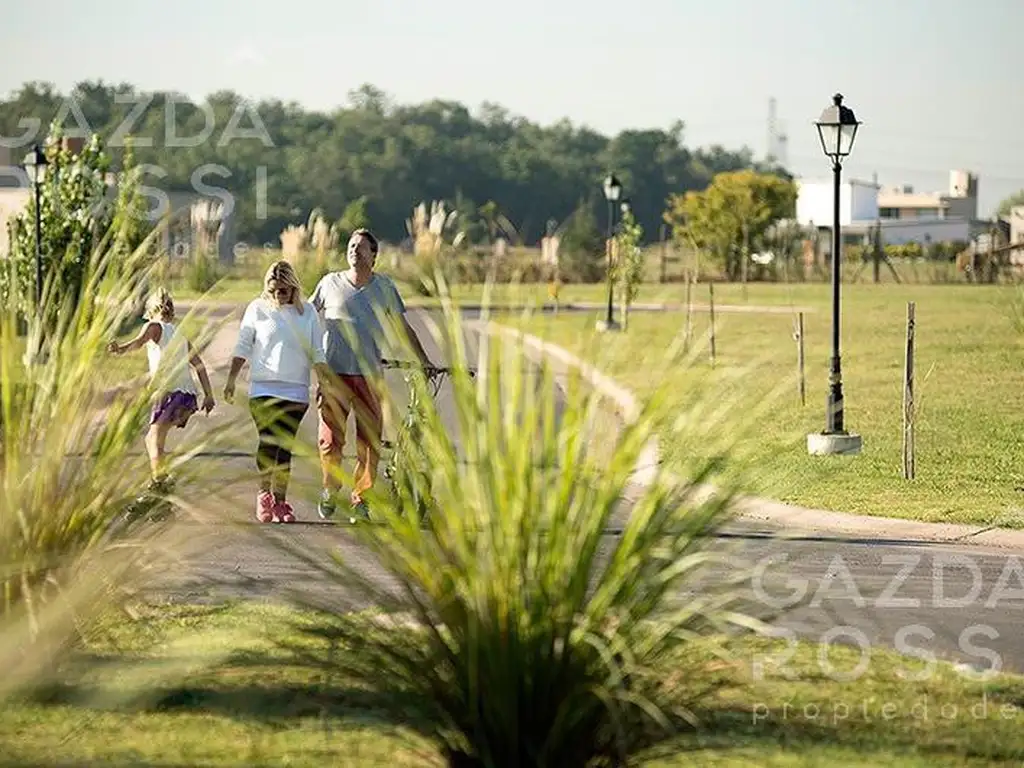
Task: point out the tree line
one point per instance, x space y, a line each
279 160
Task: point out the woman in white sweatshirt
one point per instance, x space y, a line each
281 338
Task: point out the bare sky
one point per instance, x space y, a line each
936 82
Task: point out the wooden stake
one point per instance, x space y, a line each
908 397
711 298
663 265
799 335
688 328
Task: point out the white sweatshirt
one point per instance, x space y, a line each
280 345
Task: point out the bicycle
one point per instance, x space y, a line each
409 428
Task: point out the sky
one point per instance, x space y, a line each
937 83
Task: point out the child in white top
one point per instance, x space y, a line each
170 355
281 338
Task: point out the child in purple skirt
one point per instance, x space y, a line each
170 355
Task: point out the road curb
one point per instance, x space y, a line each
795 520
589 306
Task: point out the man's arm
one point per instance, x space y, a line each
317 299
414 342
397 307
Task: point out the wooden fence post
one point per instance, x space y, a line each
711 300
802 382
688 327
908 397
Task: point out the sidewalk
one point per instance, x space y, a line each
793 520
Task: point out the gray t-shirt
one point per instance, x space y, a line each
351 322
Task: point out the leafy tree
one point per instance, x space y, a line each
274 158
77 214
354 217
1011 202
581 249
732 216
629 264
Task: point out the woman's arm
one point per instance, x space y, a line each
243 350
229 386
324 375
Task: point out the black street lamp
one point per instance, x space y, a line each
612 191
35 166
837 128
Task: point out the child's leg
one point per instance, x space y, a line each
290 416
156 441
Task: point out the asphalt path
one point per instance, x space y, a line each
962 603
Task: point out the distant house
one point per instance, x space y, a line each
960 202
902 215
190 226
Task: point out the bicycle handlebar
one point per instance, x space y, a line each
429 370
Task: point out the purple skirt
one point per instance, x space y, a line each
176 408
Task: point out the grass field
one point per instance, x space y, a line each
969 453
968 424
207 686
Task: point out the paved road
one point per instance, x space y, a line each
962 603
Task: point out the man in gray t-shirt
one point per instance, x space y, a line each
352 304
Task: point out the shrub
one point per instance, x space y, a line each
202 273
520 633
69 463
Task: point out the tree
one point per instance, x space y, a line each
77 214
629 264
731 216
354 217
1017 198
273 157
581 248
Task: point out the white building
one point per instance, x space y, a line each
903 215
858 201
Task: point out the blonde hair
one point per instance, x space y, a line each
283 273
159 306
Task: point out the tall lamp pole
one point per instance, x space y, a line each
837 129
35 166
612 191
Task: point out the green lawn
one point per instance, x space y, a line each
969 455
968 447
115 372
161 691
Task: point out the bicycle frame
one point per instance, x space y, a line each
409 428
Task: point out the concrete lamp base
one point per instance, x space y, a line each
604 326
839 444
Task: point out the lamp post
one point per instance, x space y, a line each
612 191
35 166
837 129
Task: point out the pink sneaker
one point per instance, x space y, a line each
283 512
265 507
